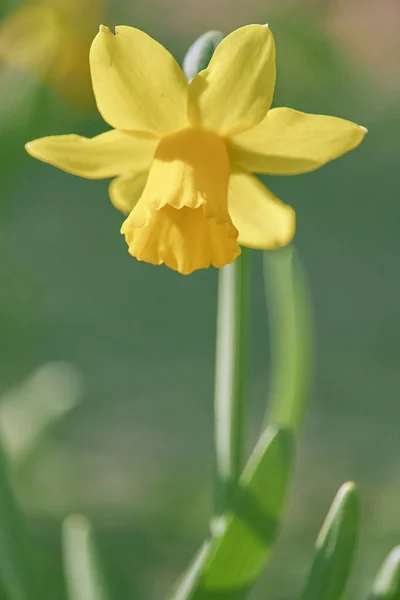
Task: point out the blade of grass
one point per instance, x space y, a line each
84 576
387 583
335 548
16 566
288 305
190 580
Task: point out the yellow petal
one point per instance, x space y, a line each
288 142
262 220
236 90
137 83
191 168
106 155
183 239
126 190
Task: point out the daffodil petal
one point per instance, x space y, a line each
190 168
106 155
137 83
263 221
288 142
236 90
125 191
183 239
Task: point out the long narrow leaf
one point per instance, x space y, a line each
290 322
387 583
243 538
84 576
335 548
16 567
190 580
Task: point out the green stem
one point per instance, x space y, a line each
290 326
230 377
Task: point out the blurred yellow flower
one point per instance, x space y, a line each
50 39
183 154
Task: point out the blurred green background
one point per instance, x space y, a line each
124 351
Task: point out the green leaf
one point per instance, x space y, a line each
84 576
190 580
335 548
243 538
16 565
291 331
387 583
200 52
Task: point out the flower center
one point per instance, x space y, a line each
182 217
194 166
195 147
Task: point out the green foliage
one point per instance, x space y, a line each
242 539
16 567
291 332
387 583
84 576
227 565
335 548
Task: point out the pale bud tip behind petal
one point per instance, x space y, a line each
104 29
266 25
364 129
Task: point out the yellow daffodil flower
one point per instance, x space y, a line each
50 40
182 153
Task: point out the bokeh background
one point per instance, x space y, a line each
119 355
